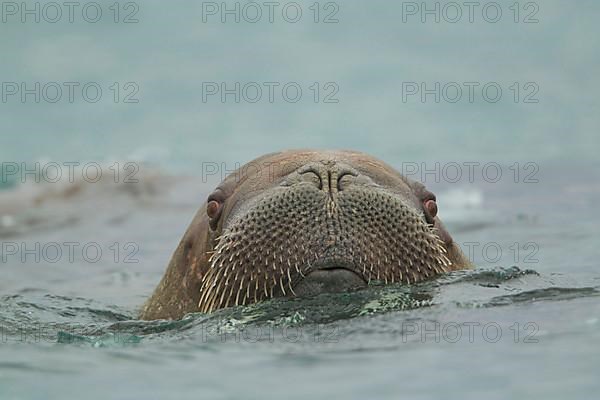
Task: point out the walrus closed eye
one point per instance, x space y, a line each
299 223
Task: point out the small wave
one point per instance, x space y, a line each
547 294
462 210
487 277
30 207
462 198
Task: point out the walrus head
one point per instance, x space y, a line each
300 223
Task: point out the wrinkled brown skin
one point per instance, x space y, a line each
178 292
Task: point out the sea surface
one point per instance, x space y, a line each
517 185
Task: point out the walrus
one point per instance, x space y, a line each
300 223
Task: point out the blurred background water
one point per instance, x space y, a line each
160 116
369 53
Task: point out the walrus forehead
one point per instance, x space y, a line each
267 170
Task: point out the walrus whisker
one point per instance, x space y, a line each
237 297
281 285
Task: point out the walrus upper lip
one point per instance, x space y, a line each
337 269
331 264
329 276
329 280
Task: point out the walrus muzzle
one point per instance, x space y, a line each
322 222
322 229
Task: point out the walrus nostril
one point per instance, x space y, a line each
345 179
313 177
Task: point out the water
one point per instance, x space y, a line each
523 323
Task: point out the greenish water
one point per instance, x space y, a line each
524 323
380 341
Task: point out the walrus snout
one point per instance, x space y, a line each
304 223
330 280
287 237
